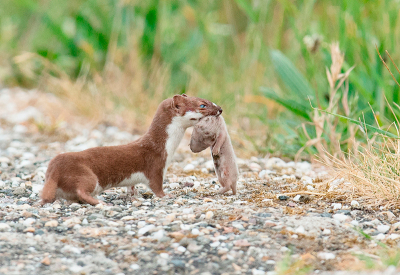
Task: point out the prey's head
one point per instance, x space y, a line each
205 133
193 109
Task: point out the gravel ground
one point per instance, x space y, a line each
197 232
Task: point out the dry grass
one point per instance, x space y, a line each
124 96
371 168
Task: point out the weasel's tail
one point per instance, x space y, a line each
49 191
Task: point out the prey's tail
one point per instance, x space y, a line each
49 191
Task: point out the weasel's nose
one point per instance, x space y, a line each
219 111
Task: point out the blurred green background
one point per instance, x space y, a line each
263 61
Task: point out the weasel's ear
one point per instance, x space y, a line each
177 102
184 95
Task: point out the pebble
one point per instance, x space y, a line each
326 232
300 230
189 167
326 256
209 215
4 227
341 217
383 228
51 224
135 267
174 185
238 225
283 197
146 229
354 203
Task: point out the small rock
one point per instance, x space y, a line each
300 230
255 167
19 191
297 198
4 227
135 267
75 206
354 203
174 185
341 217
283 197
326 256
336 206
193 247
326 232
380 237
45 261
146 229
209 215
238 225
241 243
51 224
383 228
262 174
189 167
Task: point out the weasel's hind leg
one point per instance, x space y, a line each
85 189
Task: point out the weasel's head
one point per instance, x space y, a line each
193 109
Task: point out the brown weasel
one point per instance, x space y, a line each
81 175
212 131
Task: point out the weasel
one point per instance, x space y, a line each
211 132
81 175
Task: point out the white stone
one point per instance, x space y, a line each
394 236
187 211
326 256
326 232
4 227
28 222
189 167
262 174
257 272
274 162
255 167
383 228
209 215
238 225
145 229
354 222
215 244
341 217
174 185
300 230
135 267
159 234
141 224
336 206
195 231
354 203
297 198
181 249
380 237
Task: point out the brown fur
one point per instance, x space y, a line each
79 175
211 132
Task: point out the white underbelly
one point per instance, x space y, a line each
132 180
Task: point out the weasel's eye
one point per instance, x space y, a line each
202 106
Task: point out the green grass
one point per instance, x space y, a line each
222 50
